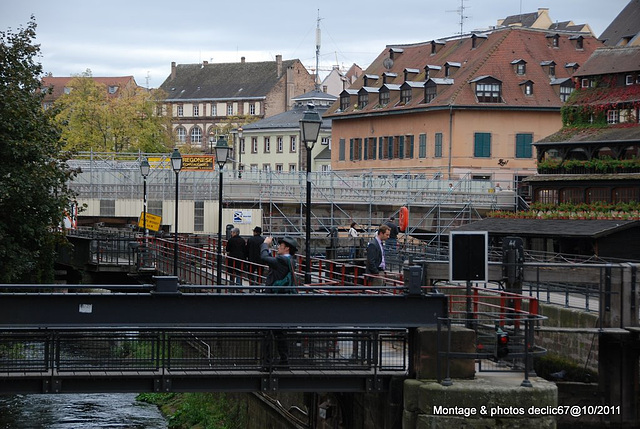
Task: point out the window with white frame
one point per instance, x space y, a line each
113 89
613 116
181 135
292 168
266 167
521 68
325 140
252 108
254 145
196 110
196 135
214 110
279 168
293 145
325 168
229 109
629 79
267 145
242 145
180 109
585 83
279 144
565 92
488 92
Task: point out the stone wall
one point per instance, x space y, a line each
570 333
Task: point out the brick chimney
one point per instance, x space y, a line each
173 70
278 66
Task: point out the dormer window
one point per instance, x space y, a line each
370 77
408 72
520 66
549 67
629 79
450 68
363 99
527 87
488 89
394 52
345 102
435 46
384 98
571 67
476 40
112 89
430 91
585 83
67 90
555 40
578 41
388 77
405 95
429 70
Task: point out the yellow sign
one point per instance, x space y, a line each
153 221
189 162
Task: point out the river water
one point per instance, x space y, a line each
78 411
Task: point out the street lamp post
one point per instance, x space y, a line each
145 169
309 130
222 154
176 164
240 150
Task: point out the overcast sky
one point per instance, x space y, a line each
124 38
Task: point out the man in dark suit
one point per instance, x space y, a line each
236 254
253 252
376 263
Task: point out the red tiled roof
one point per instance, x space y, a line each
59 83
492 57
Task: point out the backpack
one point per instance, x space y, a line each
287 282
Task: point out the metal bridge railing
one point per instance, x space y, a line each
61 351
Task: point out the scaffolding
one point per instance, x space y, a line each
338 198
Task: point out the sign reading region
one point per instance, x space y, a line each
189 162
153 221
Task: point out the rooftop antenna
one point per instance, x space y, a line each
460 11
317 51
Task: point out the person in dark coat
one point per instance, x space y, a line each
279 267
253 253
391 245
236 255
376 261
279 264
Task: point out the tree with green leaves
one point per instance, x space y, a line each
93 119
34 178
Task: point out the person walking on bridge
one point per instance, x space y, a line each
376 263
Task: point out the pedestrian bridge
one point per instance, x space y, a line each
182 339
